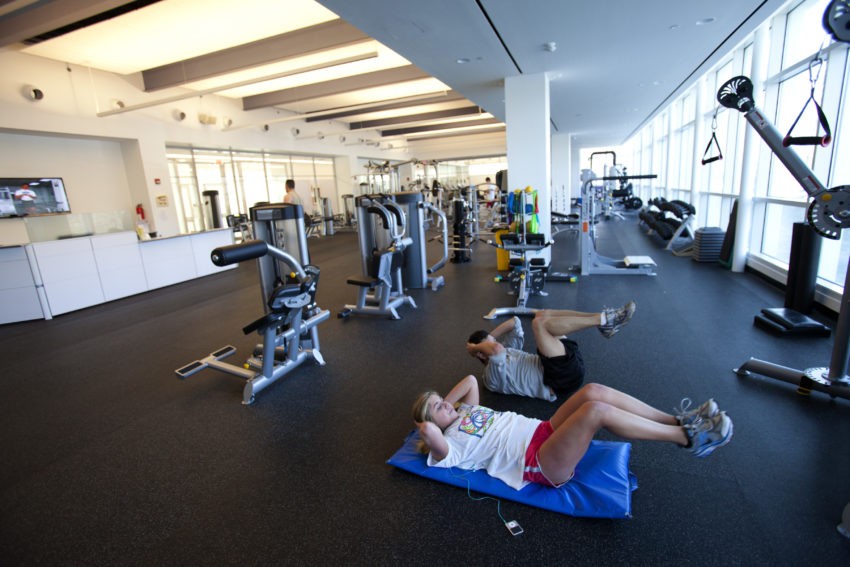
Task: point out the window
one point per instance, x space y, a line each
242 179
796 37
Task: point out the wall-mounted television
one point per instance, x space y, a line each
25 196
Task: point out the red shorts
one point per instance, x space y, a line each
532 471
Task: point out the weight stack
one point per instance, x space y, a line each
708 242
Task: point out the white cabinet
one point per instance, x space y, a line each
80 272
119 263
168 261
177 259
18 294
69 274
205 242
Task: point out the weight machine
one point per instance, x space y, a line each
382 246
291 315
415 274
593 263
828 214
527 274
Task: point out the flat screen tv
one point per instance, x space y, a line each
26 196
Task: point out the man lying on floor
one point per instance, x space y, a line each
557 368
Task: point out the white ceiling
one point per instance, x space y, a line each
616 62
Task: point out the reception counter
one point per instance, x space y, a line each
45 279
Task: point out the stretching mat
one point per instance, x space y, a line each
601 487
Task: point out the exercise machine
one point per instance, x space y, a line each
415 273
461 231
625 191
288 285
593 263
828 214
323 214
527 274
382 245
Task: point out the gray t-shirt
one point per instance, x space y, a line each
515 371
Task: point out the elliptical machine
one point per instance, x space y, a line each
382 245
291 315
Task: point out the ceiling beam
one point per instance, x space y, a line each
38 18
438 136
331 114
192 94
321 113
436 127
382 78
305 41
435 115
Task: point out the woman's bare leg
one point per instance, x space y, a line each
559 455
593 392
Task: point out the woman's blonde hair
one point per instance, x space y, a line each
422 412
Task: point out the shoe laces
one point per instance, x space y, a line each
610 316
684 407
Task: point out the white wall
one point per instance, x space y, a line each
114 161
92 169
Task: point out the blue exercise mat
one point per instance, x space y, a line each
601 488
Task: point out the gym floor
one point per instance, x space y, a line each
109 459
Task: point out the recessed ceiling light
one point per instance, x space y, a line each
674 27
550 46
462 60
706 21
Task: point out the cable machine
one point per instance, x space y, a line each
592 262
828 214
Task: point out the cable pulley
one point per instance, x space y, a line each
836 20
829 212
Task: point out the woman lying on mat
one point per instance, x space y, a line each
519 450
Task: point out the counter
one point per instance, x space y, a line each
44 279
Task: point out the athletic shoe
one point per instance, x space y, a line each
616 318
705 435
687 416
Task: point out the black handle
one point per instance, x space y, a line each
624 177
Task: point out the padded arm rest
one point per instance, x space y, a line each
226 255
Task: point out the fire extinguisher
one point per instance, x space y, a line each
140 212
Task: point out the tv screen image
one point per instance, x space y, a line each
23 196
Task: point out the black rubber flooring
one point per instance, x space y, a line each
109 459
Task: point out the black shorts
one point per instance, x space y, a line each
564 374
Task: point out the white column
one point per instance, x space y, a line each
696 161
749 162
528 143
561 172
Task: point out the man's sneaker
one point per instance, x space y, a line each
687 416
616 318
705 435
